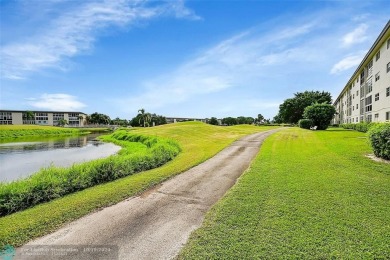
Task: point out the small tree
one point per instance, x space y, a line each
320 114
259 118
62 122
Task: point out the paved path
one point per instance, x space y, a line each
158 223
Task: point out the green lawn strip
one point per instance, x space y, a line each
308 195
9 132
198 142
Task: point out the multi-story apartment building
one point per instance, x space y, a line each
51 118
366 96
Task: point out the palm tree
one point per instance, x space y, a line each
144 117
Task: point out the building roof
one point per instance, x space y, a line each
378 42
40 111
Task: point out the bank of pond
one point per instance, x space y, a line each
138 153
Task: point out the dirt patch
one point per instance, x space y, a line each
376 159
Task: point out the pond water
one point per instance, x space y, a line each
24 157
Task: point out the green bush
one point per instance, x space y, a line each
320 114
305 123
379 136
139 153
361 127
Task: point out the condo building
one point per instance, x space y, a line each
50 118
366 96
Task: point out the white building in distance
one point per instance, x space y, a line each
366 96
49 118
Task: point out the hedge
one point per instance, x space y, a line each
379 136
305 123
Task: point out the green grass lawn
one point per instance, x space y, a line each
307 195
17 131
198 142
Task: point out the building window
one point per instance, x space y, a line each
369 118
378 55
387 91
376 117
369 86
357 106
5 118
74 119
369 104
357 119
361 77
357 93
42 118
388 67
376 96
369 69
57 117
388 115
377 77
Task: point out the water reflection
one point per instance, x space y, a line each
23 158
49 144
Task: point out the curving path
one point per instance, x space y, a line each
158 223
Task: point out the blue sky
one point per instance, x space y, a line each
195 58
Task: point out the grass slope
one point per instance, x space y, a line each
198 142
308 195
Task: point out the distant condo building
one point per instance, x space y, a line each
366 96
50 118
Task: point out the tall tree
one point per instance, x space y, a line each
144 117
291 110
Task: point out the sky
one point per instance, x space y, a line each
194 58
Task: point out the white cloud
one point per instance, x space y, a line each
75 31
356 36
347 63
241 60
56 102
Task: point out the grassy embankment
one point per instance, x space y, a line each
16 131
307 195
198 142
10 132
138 153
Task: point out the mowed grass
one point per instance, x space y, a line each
17 131
307 195
198 142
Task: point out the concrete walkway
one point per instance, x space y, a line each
158 223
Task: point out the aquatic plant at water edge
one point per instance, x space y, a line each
139 153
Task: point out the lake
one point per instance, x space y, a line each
24 157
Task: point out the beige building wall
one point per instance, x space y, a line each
17 118
366 97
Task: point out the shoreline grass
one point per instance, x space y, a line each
198 141
12 132
138 153
307 195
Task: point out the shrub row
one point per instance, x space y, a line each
361 127
305 123
379 136
139 153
